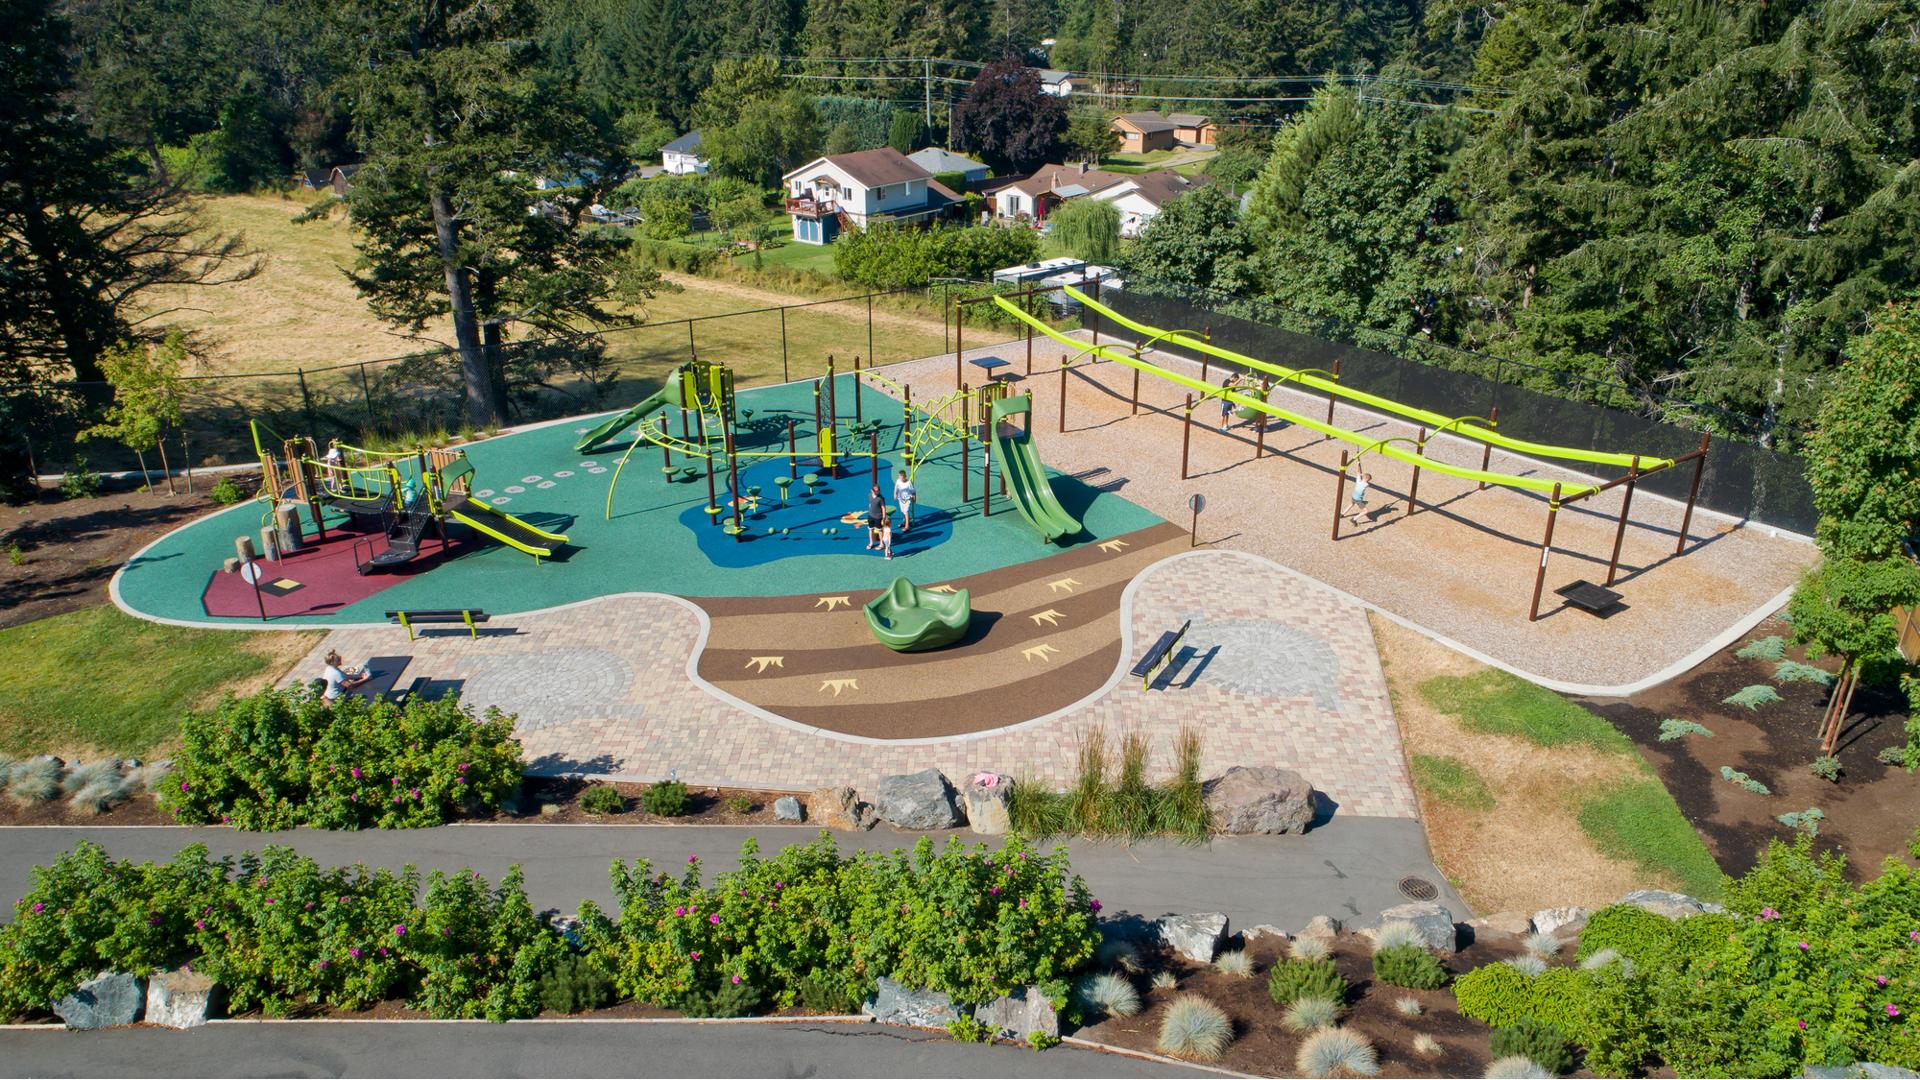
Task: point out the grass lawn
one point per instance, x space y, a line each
1498 703
1451 781
815 257
99 679
1638 821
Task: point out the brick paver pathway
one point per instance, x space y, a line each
1277 671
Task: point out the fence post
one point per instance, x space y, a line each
784 377
693 352
313 422
856 363
959 373
366 395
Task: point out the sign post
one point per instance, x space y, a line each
1196 502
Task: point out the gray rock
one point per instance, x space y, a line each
180 999
1020 1014
922 800
548 809
58 763
1262 799
110 999
893 1003
1555 919
1264 930
1671 905
987 812
839 808
1321 926
1434 922
130 763
1196 937
1507 922
788 808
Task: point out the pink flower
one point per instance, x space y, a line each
715 920
415 792
1023 901
680 910
198 925
1803 1024
1768 913
693 858
354 952
269 900
1093 905
695 955
355 771
396 781
1892 1010
399 930
994 891
1879 980
38 908
1802 946
463 766
183 785
736 980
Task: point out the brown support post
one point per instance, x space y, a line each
1620 530
1136 393
793 463
856 388
666 462
873 457
966 436
1206 361
959 373
1546 548
1186 437
710 492
1413 493
1063 395
1686 519
1330 397
1096 322
1486 452
1259 435
1028 306
693 352
1339 493
733 481
366 395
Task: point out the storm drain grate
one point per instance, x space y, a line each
1416 888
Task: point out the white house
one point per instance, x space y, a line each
937 161
1055 83
682 156
1140 197
830 193
1048 186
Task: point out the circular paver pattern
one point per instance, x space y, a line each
1264 658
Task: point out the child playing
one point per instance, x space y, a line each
1357 503
886 535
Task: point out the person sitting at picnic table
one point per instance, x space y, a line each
340 678
903 495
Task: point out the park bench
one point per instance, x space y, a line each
411 619
1158 655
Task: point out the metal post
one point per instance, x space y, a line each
366 395
1546 548
784 377
856 360
733 481
1186 437
186 460
313 422
1486 452
986 464
693 353
966 436
1028 306
715 518
873 456
1620 530
1699 466
1096 321
1260 423
856 388
1136 393
1063 395
1413 493
793 462
906 422
959 373
1339 493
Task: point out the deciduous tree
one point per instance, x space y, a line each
1005 118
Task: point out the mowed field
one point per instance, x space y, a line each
302 312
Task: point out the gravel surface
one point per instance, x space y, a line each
1463 565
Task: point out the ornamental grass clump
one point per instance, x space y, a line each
1515 1067
1544 946
1408 1006
1671 729
1107 994
284 757
1771 647
1425 1045
1165 980
1398 933
1195 1029
1336 1052
1309 948
1236 963
1529 965
1310 1014
34 781
1118 954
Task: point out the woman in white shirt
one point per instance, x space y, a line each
338 678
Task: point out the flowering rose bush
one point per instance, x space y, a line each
281 758
960 920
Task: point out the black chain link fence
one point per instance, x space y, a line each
1742 478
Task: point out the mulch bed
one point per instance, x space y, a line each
1869 812
1263 1047
73 546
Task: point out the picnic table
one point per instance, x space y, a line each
989 365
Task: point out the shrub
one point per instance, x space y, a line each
1195 1029
729 997
1336 1052
1771 647
1807 821
1310 1014
740 804
16 555
1891 755
961 921
34 781
281 758
226 493
80 481
574 985
888 257
1397 933
967 1029
1793 671
602 799
1515 1068
826 998
1826 767
668 798
1108 994
1743 781
1408 1006
1536 1041
1425 1045
1913 844
1410 966
1236 963
1291 980
1752 697
1496 994
1309 948
1671 729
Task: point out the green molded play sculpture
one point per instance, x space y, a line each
908 618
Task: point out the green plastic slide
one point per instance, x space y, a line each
1026 478
668 395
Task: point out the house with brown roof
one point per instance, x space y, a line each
1192 129
1141 132
830 194
1047 187
1140 197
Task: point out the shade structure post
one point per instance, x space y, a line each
1413 492
1546 548
1693 493
986 465
856 389
1486 451
1620 530
873 456
1136 393
793 462
1028 305
1339 493
959 350
1063 395
1331 397
1186 436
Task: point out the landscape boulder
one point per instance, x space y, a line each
1671 905
839 808
1196 937
1024 1012
988 812
1515 923
788 808
110 999
1321 926
921 801
893 1003
1264 930
1555 919
180 999
1261 799
1434 922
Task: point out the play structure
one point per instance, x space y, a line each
1251 402
400 496
908 618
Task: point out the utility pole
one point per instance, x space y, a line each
926 84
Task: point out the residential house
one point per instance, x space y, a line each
681 157
311 179
1192 129
1143 131
340 178
830 194
1140 197
937 161
1048 186
1055 83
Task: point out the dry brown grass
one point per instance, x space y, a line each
1528 852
